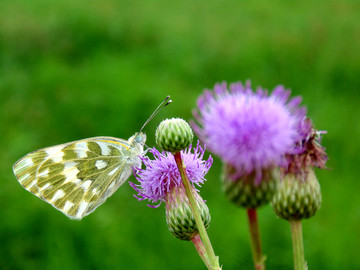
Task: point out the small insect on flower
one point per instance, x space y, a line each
309 153
79 176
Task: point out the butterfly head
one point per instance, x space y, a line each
138 139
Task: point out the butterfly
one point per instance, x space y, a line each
79 176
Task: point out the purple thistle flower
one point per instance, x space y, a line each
161 174
248 130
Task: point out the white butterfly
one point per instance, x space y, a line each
77 177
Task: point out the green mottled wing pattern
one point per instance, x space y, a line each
79 176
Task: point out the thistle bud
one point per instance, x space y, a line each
174 135
179 216
246 191
298 196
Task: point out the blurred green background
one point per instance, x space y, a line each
76 69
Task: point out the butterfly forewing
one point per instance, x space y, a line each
79 176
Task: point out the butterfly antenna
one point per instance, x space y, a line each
163 104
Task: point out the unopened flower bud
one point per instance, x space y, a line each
174 135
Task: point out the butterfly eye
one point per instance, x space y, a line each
139 139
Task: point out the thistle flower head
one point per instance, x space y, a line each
248 130
299 195
161 174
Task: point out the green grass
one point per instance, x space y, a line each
77 69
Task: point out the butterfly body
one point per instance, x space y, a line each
77 177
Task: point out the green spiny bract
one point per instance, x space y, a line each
297 197
245 192
179 217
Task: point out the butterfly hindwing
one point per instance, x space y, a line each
79 176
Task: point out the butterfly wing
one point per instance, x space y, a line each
79 176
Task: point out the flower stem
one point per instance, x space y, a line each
201 250
214 261
258 258
298 246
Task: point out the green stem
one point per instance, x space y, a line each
298 245
258 258
201 250
214 261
